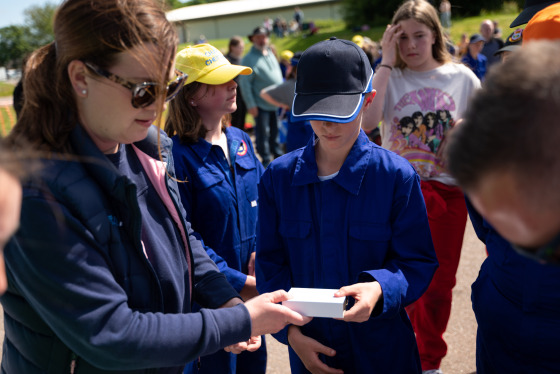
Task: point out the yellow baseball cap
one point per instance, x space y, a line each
286 54
206 64
359 40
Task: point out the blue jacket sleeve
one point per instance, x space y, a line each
477 222
64 273
236 278
271 270
412 261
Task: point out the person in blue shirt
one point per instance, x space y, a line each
343 213
475 60
504 156
221 173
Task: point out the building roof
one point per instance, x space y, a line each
224 8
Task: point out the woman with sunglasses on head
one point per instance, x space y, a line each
221 173
104 268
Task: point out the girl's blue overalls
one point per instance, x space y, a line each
222 205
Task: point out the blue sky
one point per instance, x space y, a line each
11 11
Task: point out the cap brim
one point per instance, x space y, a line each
327 107
341 108
528 13
509 48
223 74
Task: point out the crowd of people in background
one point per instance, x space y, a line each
145 251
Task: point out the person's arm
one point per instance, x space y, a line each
64 271
245 83
272 263
373 115
236 278
268 94
411 260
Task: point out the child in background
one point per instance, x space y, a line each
417 74
282 95
221 172
345 214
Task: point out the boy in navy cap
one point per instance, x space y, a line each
343 213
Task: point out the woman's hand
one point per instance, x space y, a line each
250 345
268 317
389 44
366 295
308 351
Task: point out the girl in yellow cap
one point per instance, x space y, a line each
221 171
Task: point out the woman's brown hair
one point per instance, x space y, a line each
94 31
183 118
423 12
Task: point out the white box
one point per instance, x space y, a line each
316 302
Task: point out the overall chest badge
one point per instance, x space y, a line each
242 150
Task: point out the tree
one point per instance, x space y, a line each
14 45
380 12
39 20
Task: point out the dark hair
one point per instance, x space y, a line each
96 31
417 114
423 12
234 41
405 121
431 115
183 118
510 125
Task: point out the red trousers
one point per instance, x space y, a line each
447 214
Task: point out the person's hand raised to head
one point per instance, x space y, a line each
389 44
268 317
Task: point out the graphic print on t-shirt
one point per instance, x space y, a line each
421 121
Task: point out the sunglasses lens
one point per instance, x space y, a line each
146 93
175 86
144 96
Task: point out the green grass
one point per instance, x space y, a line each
7 119
6 89
328 28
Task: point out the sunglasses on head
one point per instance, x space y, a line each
546 254
144 93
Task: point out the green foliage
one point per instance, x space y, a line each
14 45
380 12
474 7
17 41
328 28
39 20
368 12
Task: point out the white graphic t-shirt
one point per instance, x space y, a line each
419 109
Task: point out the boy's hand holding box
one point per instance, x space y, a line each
316 302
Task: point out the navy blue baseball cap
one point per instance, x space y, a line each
333 77
530 8
475 38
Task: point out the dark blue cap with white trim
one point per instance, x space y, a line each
333 77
